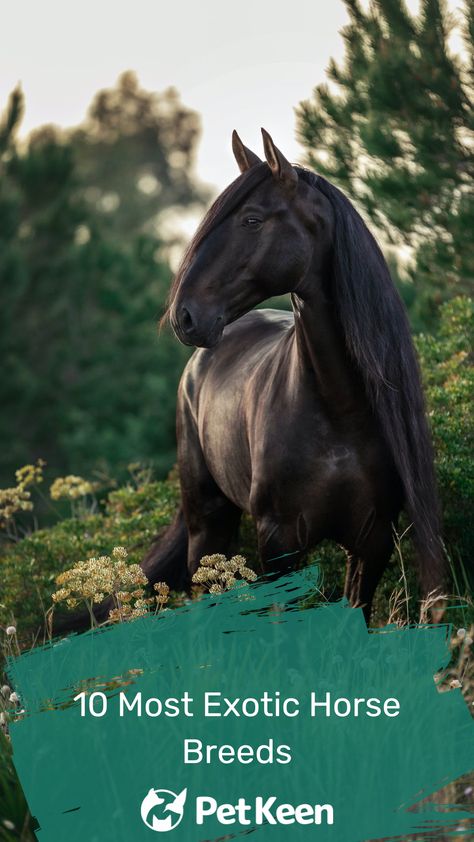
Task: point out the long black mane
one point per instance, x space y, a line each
378 339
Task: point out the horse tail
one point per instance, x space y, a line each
165 561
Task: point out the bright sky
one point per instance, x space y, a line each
241 65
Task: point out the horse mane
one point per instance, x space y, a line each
378 339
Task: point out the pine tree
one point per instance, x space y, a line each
394 128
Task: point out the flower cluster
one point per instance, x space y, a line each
30 474
112 576
10 708
13 500
162 593
71 488
18 498
219 574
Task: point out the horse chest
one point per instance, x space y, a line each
306 471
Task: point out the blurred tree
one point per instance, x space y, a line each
86 382
135 155
395 129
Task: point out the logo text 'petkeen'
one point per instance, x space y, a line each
162 810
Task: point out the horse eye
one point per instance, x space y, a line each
251 221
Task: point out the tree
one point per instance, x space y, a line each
135 155
86 381
395 129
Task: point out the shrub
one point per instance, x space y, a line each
448 371
131 516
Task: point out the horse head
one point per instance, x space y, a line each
259 239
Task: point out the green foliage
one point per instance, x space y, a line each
448 369
15 820
86 380
131 516
394 128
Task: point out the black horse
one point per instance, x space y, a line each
313 422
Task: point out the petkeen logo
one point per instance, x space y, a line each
162 809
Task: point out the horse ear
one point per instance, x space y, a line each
243 155
280 167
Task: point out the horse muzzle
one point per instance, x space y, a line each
202 331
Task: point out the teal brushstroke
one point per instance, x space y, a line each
85 779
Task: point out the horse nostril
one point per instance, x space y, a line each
186 320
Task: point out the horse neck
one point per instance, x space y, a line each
320 347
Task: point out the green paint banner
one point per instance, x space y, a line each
252 712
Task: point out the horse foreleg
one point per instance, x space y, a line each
366 566
279 545
212 520
211 531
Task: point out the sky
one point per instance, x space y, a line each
241 65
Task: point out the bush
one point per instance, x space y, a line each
131 516
448 371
